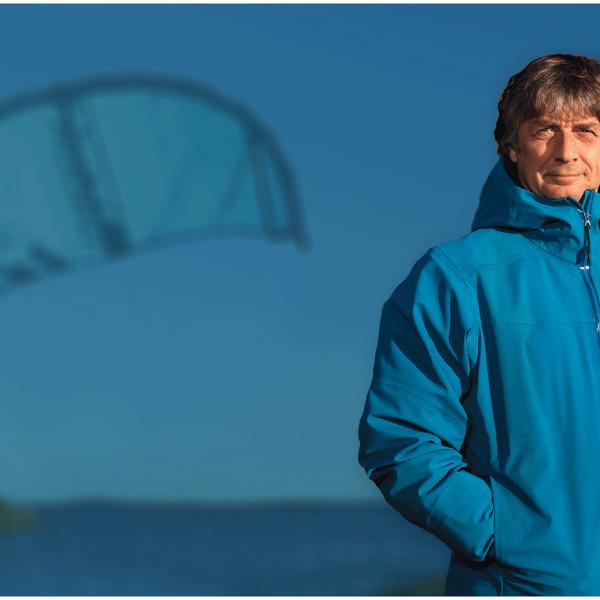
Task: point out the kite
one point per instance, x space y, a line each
98 169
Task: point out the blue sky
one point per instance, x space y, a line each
230 370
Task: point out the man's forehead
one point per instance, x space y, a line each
563 119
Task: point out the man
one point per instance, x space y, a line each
482 421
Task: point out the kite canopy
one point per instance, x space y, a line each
99 169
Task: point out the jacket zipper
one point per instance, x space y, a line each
585 267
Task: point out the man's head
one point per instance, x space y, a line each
548 128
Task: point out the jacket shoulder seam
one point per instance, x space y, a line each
462 278
510 259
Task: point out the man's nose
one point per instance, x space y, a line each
565 149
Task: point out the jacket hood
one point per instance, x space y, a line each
556 225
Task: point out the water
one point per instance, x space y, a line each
112 548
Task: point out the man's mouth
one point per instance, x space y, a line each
563 178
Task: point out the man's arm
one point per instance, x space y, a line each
414 424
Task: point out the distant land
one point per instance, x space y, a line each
116 547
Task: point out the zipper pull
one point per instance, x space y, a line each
586 224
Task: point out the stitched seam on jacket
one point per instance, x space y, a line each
435 357
542 249
510 260
461 277
471 292
526 252
414 396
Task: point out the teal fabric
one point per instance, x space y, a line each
482 421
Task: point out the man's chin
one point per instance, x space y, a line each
555 192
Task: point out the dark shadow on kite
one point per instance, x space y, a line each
98 169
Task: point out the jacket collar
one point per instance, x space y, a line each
556 225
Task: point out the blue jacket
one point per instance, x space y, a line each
482 420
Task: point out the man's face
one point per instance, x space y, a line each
558 157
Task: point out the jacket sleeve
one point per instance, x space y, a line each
414 424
